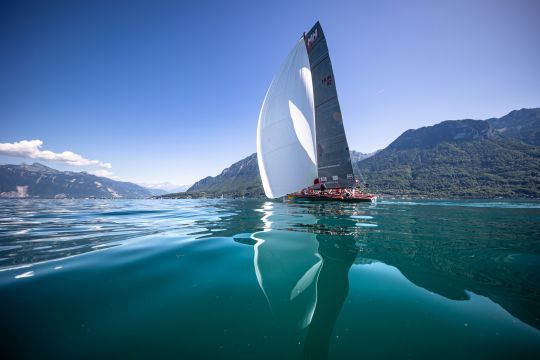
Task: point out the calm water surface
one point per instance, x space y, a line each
213 279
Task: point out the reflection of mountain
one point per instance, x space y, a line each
469 250
452 250
451 270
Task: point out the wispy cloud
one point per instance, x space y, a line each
32 149
105 173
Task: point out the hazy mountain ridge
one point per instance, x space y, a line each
455 158
40 181
164 187
240 178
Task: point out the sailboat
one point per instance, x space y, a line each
302 149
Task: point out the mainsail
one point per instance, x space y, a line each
300 134
333 157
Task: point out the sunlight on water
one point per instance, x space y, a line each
361 217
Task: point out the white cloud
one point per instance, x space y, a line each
105 173
32 149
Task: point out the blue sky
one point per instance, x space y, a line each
171 90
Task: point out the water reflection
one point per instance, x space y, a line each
191 290
303 254
332 290
304 275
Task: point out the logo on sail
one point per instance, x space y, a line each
312 38
327 80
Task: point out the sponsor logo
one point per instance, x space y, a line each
312 38
327 80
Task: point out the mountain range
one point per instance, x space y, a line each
497 157
462 158
40 181
164 188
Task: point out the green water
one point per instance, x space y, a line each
222 279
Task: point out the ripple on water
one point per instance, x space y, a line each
366 224
467 203
43 230
187 270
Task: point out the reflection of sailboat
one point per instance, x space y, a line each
287 266
468 273
338 254
304 277
301 142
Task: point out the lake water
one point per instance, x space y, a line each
212 279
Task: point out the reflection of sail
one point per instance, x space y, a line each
338 254
430 248
304 276
287 266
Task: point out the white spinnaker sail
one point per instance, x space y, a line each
286 149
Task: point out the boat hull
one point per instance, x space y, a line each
333 197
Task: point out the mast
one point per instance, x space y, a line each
333 157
